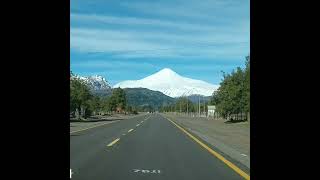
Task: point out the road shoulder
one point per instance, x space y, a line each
235 145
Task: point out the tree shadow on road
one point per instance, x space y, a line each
234 121
75 135
96 120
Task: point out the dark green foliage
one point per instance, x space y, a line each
79 94
82 98
94 105
182 104
146 99
141 99
117 100
233 95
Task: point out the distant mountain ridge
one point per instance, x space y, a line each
141 97
195 98
96 82
145 97
171 84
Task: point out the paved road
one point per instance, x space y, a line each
154 149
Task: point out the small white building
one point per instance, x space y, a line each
211 110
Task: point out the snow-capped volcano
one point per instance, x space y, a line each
171 84
95 82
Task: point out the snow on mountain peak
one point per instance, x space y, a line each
171 84
95 82
166 71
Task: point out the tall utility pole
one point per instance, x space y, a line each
180 105
187 106
183 96
205 107
191 90
199 105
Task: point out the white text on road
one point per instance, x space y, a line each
146 171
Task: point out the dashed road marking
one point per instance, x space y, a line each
138 125
243 155
94 126
102 125
71 173
113 142
130 130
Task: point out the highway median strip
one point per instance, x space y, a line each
231 165
113 142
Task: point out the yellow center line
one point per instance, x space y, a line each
113 142
231 165
130 130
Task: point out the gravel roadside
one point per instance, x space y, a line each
233 139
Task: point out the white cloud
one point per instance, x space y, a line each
130 44
141 22
220 31
213 10
111 64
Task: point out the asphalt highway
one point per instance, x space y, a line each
145 147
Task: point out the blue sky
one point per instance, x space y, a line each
131 39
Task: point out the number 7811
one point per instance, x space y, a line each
146 171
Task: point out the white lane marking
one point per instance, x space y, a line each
145 171
147 118
113 142
130 130
138 125
102 125
71 173
243 155
123 134
94 126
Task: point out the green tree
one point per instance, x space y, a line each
129 109
117 99
79 95
233 95
94 105
247 85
